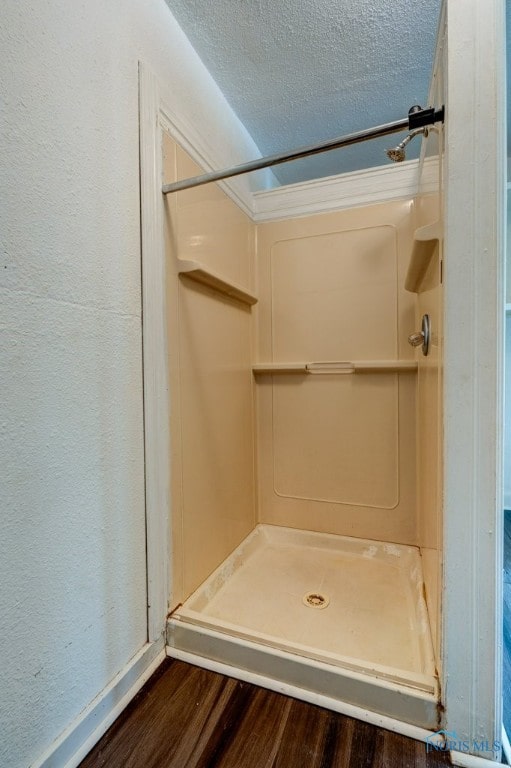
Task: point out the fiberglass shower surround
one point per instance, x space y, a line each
304 536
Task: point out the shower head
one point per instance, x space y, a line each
398 154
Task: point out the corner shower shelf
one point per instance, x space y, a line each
199 274
357 366
425 241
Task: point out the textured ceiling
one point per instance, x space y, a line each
300 71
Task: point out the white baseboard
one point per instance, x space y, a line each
78 739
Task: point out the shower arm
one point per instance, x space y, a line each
417 118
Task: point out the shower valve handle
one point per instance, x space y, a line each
416 339
422 337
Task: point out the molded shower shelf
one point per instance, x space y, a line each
199 274
339 368
363 639
425 241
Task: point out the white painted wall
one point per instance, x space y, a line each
72 547
507 363
507 416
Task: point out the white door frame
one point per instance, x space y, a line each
158 111
154 345
474 183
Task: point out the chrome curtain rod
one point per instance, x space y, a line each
417 118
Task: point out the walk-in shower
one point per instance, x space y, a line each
305 427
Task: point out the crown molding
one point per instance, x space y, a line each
346 190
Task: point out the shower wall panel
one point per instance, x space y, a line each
211 397
337 452
430 421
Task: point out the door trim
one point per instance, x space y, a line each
474 183
154 345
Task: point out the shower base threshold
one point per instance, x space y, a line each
337 616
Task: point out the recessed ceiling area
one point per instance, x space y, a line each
297 72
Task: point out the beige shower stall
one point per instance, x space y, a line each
306 444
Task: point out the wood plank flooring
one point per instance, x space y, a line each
187 717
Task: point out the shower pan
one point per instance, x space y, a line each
305 494
355 607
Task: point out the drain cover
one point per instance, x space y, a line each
315 600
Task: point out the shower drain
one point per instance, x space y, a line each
315 600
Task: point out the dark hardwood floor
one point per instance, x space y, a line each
187 717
